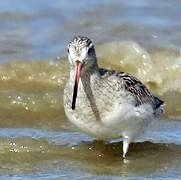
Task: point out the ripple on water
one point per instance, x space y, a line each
32 151
38 86
36 138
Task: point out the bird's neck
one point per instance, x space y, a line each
92 70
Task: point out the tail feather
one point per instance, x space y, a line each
159 106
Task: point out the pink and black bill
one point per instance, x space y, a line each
76 84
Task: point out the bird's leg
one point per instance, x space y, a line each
125 146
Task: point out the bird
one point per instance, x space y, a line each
106 104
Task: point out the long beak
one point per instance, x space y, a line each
78 70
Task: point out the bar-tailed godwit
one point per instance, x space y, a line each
106 104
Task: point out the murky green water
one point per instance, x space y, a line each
36 140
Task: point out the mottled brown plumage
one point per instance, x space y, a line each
106 104
135 87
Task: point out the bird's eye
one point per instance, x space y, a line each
68 51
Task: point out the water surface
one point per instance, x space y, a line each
36 140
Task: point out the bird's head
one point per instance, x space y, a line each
82 57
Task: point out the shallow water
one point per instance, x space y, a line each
36 140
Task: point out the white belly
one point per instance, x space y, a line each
126 121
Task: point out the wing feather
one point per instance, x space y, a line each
140 92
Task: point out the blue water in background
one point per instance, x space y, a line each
36 28
32 30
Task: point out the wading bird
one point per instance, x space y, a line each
106 104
